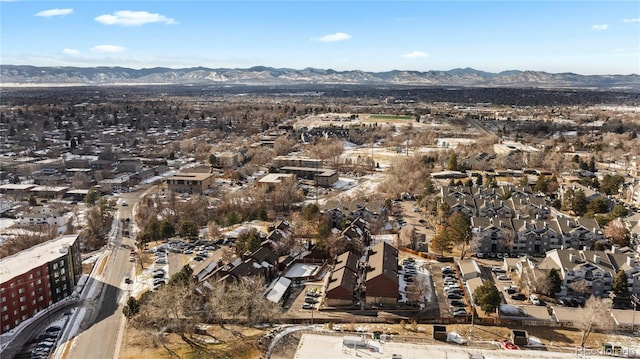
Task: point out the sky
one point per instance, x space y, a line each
585 37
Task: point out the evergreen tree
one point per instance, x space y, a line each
487 297
555 282
452 165
620 284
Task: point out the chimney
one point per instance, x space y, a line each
596 258
572 258
615 249
630 261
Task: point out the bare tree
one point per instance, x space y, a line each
418 290
597 312
580 286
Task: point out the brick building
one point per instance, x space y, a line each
35 278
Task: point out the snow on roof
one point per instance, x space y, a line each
35 256
49 188
278 289
11 186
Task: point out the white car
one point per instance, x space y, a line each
535 300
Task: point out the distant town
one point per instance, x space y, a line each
319 221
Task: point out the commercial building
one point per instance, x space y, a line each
193 183
35 278
322 176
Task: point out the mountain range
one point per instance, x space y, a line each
21 75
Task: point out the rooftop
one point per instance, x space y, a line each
191 176
35 256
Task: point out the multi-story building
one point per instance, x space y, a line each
381 278
35 278
578 233
322 176
536 236
193 183
597 268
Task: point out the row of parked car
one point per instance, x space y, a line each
454 293
159 278
46 342
311 299
410 269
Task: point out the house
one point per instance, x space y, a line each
192 183
381 277
35 278
341 286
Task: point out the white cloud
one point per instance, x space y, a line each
133 18
54 12
108 48
600 27
338 36
415 55
71 52
637 19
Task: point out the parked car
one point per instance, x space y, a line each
307 306
458 303
454 296
447 268
518 296
461 314
498 270
535 300
453 291
503 277
310 300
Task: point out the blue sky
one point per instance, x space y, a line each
586 37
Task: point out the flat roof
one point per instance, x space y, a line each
567 314
25 260
323 346
191 176
78 191
17 186
49 188
275 177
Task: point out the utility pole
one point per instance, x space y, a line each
635 301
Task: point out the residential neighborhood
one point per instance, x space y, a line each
278 210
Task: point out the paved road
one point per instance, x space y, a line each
98 335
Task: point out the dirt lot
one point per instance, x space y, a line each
232 342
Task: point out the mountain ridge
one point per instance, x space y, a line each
24 75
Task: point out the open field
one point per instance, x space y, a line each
232 342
